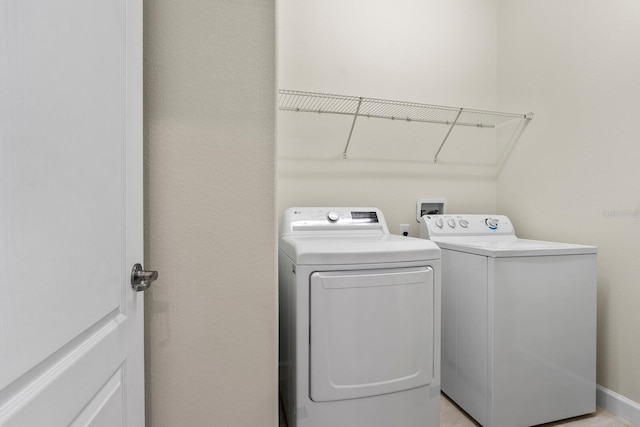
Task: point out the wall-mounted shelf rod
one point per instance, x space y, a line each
353 124
435 159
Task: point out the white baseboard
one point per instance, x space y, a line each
618 405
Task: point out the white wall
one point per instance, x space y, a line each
574 174
438 52
211 331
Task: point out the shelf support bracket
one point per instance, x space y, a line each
435 159
353 124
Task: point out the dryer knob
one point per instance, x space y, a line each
452 223
439 223
333 216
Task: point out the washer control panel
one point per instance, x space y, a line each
464 225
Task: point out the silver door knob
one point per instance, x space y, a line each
141 279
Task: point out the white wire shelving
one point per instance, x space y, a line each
312 102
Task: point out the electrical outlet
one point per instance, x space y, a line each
404 229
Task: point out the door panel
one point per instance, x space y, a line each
70 211
105 409
371 332
61 392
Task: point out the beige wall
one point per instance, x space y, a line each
438 52
210 191
209 82
574 174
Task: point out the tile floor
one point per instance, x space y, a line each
452 416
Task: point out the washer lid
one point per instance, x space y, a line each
357 249
514 247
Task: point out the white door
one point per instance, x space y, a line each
71 327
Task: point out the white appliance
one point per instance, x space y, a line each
359 321
518 322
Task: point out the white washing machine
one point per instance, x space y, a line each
518 322
359 321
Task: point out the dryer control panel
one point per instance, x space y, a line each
332 219
464 225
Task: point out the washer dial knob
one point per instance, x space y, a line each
492 223
333 216
463 223
452 223
439 223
